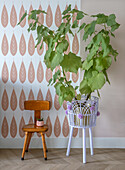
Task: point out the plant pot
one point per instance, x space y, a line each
39 123
83 112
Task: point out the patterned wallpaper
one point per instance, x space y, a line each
23 72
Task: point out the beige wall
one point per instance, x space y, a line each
111 123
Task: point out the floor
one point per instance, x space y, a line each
103 159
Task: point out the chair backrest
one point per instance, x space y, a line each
37 106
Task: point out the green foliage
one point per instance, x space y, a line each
71 63
99 51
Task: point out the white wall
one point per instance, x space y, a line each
111 123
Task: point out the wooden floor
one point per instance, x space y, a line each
103 159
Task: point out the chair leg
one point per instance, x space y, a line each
69 143
28 141
24 147
91 140
44 145
84 145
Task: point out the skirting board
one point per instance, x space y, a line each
63 142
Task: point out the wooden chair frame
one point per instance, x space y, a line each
37 106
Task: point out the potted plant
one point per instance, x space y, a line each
99 51
40 122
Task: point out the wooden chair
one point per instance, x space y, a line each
37 106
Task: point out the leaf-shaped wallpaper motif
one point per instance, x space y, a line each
4 128
13 73
13 100
22 99
48 74
31 8
40 95
64 20
5 100
31 95
75 132
13 17
31 120
13 45
41 16
65 105
22 45
49 17
22 123
48 122
40 51
67 75
22 73
40 73
68 49
49 97
57 127
31 45
4 17
22 11
56 102
75 14
75 77
31 73
58 16
5 46
75 45
65 128
5 73
13 128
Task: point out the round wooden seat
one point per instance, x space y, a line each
34 128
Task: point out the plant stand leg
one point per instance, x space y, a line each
91 140
84 145
69 143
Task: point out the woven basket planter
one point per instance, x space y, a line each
83 113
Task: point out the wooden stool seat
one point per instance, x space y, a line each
37 106
33 128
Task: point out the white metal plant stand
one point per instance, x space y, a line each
82 114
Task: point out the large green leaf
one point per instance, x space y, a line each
96 81
105 47
79 15
87 65
57 87
92 52
62 46
55 59
114 27
71 63
101 63
111 20
84 87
